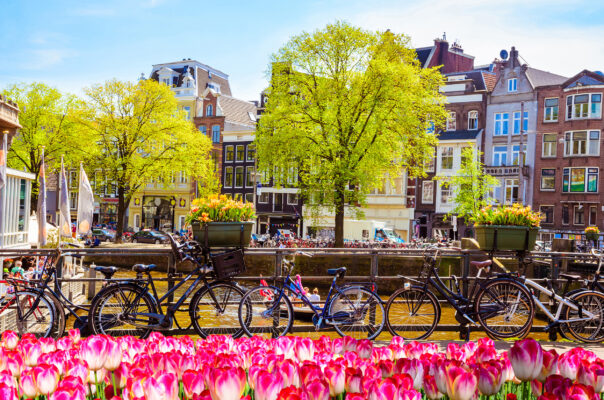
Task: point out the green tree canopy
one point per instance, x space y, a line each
470 185
348 107
139 135
48 118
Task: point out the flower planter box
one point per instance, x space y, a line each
508 237
223 234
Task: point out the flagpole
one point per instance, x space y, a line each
60 192
3 162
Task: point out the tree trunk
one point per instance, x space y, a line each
340 198
121 211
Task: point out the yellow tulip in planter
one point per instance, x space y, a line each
507 227
220 221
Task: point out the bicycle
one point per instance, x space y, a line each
352 309
45 304
133 307
502 306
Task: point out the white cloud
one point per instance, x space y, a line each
46 58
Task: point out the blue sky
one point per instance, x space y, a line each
73 44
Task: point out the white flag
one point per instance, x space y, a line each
42 231
3 151
64 216
85 204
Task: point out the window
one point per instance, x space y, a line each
548 179
427 192
183 177
548 214
251 152
582 143
516 154
430 164
73 179
73 200
473 120
593 215
238 196
228 154
166 81
137 220
495 194
249 197
446 195
501 123
209 111
187 111
580 180
580 106
511 191
240 154
264 198
551 110
216 133
249 177
238 177
519 122
500 154
430 127
292 199
578 215
446 158
228 177
565 216
549 144
203 129
451 123
513 85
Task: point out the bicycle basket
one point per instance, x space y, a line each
229 264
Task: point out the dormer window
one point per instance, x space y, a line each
166 81
214 86
513 85
209 111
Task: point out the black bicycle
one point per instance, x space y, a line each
501 305
133 307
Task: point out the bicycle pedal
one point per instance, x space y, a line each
469 319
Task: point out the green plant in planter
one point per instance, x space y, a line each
592 233
507 227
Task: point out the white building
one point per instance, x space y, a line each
15 211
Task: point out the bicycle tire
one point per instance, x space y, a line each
348 310
202 305
35 313
257 314
499 314
60 318
589 331
102 320
401 304
563 328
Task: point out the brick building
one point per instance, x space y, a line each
569 159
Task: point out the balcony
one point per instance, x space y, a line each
511 170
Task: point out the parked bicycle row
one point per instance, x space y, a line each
503 304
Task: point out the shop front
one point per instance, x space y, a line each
158 213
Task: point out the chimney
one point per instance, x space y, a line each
443 49
514 58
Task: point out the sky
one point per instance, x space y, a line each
74 44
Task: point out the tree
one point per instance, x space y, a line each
348 107
470 185
139 135
48 118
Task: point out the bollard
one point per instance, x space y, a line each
91 284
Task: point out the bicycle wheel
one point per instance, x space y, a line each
357 312
265 311
34 313
220 316
586 330
122 309
412 313
504 308
60 319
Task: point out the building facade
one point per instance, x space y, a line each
569 159
511 129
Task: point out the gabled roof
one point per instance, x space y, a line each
539 78
483 80
423 55
237 111
462 134
584 78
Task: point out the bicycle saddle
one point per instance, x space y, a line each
107 271
337 271
570 277
143 267
481 264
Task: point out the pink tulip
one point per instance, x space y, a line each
46 378
268 386
489 378
385 390
581 392
290 373
355 396
291 393
304 349
27 384
113 351
557 385
568 365
77 368
364 348
285 346
74 335
550 364
226 384
430 388
10 340
193 383
14 363
410 395
461 385
317 390
354 381
93 350
591 375
336 378
31 351
349 343
537 387
7 392
526 357
414 368
69 388
164 387
386 367
310 372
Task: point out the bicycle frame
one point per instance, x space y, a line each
561 303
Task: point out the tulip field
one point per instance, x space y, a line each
289 368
